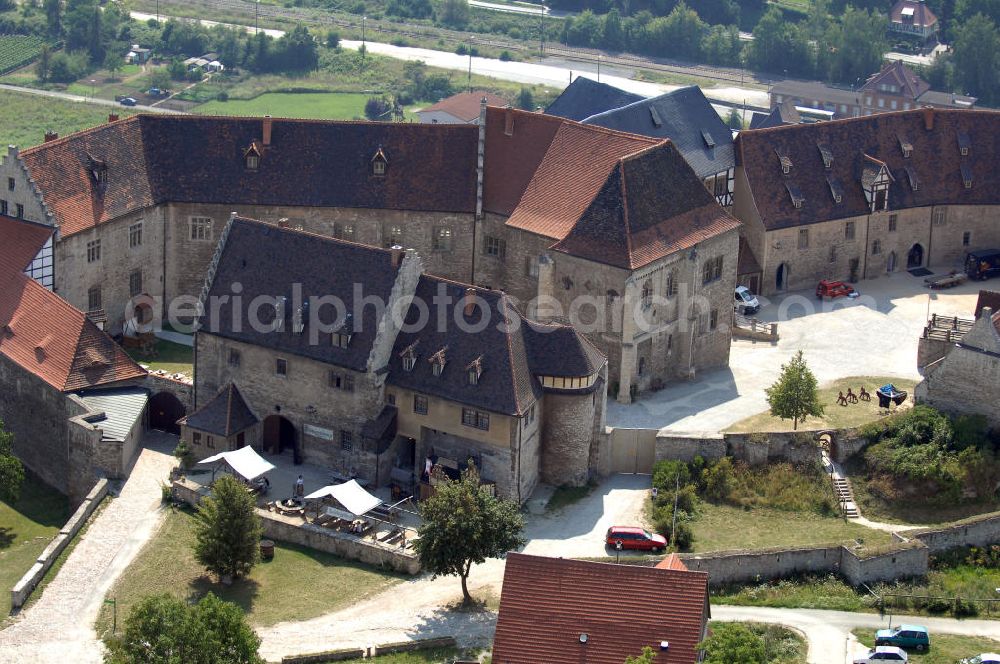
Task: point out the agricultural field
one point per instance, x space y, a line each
27 117
18 50
318 105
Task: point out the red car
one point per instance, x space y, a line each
833 289
635 538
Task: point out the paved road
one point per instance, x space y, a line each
875 334
84 100
829 632
58 628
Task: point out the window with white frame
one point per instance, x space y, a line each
495 247
135 234
442 239
201 228
93 251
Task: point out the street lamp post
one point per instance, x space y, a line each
470 64
364 25
93 88
599 68
256 17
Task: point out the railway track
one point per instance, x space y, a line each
230 9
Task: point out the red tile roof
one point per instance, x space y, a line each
899 75
935 163
512 159
46 336
988 298
922 14
672 561
547 603
465 105
21 241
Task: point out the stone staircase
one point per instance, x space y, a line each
842 488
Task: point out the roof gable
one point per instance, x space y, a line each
901 77
547 603
225 414
584 97
22 240
465 105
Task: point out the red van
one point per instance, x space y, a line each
635 538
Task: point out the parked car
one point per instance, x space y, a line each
635 538
883 654
985 658
982 264
832 289
745 301
127 101
904 636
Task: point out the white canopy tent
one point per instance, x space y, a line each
349 494
245 462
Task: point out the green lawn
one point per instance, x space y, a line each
323 106
945 648
27 117
170 357
722 527
834 416
298 582
782 645
26 528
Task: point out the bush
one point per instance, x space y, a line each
67 67
505 56
718 479
183 452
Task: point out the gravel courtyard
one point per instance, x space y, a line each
876 333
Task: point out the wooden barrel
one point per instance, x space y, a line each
266 549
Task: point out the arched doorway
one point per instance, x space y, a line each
164 411
279 434
781 277
890 263
916 256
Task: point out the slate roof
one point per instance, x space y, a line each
151 159
122 408
505 384
636 218
585 97
685 117
21 241
935 160
783 114
811 91
557 349
465 105
226 414
268 260
47 337
547 603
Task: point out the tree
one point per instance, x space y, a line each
378 108
163 630
794 394
612 37
779 46
53 17
526 100
465 524
11 470
977 48
44 66
455 13
858 44
735 120
113 63
228 530
734 643
648 656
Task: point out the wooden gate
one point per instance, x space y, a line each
633 451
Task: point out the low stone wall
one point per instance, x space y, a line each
901 561
22 590
414 645
324 657
725 567
686 446
295 531
982 530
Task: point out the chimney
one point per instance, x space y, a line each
928 118
112 117
469 301
51 136
986 312
508 121
266 137
397 255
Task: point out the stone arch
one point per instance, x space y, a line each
164 411
279 434
915 257
781 277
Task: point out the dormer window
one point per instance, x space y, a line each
438 361
906 147
966 176
707 137
409 357
875 180
98 170
835 189
911 175
786 162
379 163
253 161
475 370
252 156
964 144
796 195
342 339
827 154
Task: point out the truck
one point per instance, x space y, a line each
982 263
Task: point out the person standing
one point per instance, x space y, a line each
300 489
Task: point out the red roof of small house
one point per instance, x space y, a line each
548 604
899 75
21 240
672 561
49 338
465 105
923 17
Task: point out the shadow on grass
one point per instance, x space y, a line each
7 537
40 503
242 592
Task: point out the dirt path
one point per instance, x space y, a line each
59 626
